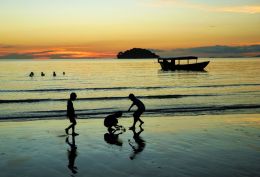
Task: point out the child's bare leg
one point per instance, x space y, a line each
133 126
73 128
67 129
141 122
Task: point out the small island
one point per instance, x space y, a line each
136 53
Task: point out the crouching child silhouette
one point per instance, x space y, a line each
71 114
138 112
111 122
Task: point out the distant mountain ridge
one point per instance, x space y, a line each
136 53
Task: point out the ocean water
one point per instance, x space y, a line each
228 86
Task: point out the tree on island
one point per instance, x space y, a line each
137 53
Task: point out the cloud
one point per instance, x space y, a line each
80 53
57 53
214 51
238 9
9 54
16 56
156 50
250 9
42 52
225 49
3 46
60 56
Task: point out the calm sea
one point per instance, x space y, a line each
229 86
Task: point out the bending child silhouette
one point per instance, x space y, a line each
71 114
138 112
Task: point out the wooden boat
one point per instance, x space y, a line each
171 64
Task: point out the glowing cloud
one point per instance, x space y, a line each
241 9
252 9
50 53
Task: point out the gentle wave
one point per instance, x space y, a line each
228 85
80 89
105 98
102 112
128 88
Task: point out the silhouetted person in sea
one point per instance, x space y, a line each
31 74
138 112
71 114
42 74
72 154
139 142
63 73
54 74
111 121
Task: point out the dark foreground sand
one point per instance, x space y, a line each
174 146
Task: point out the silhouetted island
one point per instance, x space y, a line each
136 53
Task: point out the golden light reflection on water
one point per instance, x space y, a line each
223 87
179 124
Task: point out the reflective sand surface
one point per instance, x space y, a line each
180 146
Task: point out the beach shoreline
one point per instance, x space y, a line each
171 146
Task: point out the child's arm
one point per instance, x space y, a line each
130 107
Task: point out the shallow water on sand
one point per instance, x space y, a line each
215 145
229 86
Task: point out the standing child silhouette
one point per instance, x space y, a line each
138 112
71 114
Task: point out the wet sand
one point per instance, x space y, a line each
220 145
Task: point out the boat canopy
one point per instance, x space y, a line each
179 58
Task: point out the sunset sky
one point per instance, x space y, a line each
102 28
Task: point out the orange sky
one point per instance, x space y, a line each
100 29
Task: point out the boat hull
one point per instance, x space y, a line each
167 66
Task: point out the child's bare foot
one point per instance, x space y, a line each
74 134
